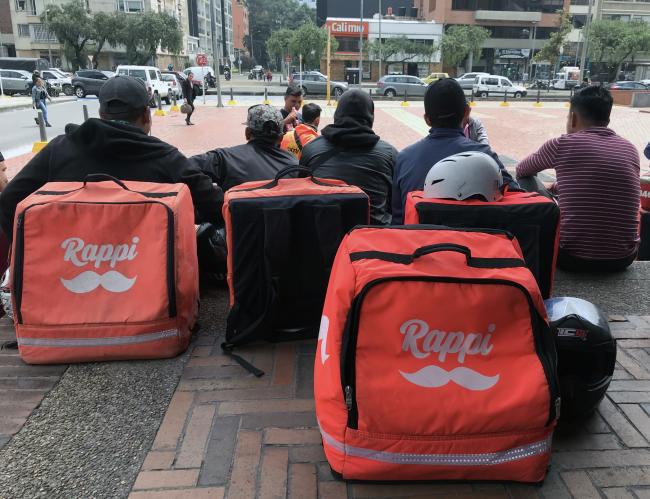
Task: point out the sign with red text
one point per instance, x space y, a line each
346 27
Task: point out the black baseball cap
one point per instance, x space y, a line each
123 94
445 100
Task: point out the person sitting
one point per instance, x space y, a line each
117 144
445 111
259 159
597 184
295 140
349 150
292 104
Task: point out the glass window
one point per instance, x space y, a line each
505 83
123 72
492 81
139 73
130 5
152 74
548 6
348 44
23 30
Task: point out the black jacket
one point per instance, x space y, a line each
255 160
362 158
120 150
188 90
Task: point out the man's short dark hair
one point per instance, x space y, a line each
293 91
593 104
445 103
310 112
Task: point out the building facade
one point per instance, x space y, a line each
239 29
518 28
7 43
350 32
200 29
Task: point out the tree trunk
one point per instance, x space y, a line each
470 62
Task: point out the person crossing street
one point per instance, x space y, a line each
188 95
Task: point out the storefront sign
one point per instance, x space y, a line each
512 53
348 28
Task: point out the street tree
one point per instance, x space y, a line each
266 17
461 41
400 49
310 41
106 29
553 47
144 34
612 42
278 45
72 25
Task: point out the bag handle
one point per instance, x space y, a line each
407 259
101 177
291 169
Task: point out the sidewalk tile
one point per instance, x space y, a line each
631 365
196 437
623 428
332 490
172 426
368 491
219 455
629 397
202 493
579 485
265 406
273 475
307 454
621 477
282 436
278 420
243 479
158 460
618 493
271 392
302 481
285 364
166 479
601 459
639 418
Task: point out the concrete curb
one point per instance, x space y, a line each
18 107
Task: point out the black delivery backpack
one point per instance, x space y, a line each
532 218
282 238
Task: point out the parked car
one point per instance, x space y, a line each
434 77
29 64
152 79
64 73
200 72
58 80
173 83
314 82
485 85
628 85
466 81
196 84
88 82
391 86
15 81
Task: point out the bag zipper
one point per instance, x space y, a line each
543 343
20 255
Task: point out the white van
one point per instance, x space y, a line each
485 85
151 77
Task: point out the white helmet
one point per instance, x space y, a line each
464 175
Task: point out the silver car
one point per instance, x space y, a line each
393 85
466 81
15 81
316 83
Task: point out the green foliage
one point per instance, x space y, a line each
141 35
72 25
400 49
614 42
105 29
278 45
551 49
266 17
459 40
311 42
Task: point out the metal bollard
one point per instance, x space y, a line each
232 101
85 108
41 127
405 102
505 99
266 96
537 103
471 99
159 111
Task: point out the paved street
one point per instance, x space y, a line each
199 426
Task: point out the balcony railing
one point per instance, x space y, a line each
40 34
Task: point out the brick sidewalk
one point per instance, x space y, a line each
229 434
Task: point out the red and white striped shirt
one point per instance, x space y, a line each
598 185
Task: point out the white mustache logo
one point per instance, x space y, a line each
435 377
88 281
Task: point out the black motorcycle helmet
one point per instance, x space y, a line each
586 355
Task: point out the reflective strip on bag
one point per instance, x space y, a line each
486 459
97 342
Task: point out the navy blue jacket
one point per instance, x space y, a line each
647 151
414 162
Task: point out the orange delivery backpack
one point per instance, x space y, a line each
531 217
104 270
282 237
435 359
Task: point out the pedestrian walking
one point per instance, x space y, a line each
188 95
39 98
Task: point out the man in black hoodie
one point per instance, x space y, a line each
259 159
350 151
119 145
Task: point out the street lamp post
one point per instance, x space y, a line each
532 49
215 52
381 14
49 41
361 46
585 42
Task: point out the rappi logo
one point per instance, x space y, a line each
81 254
422 342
